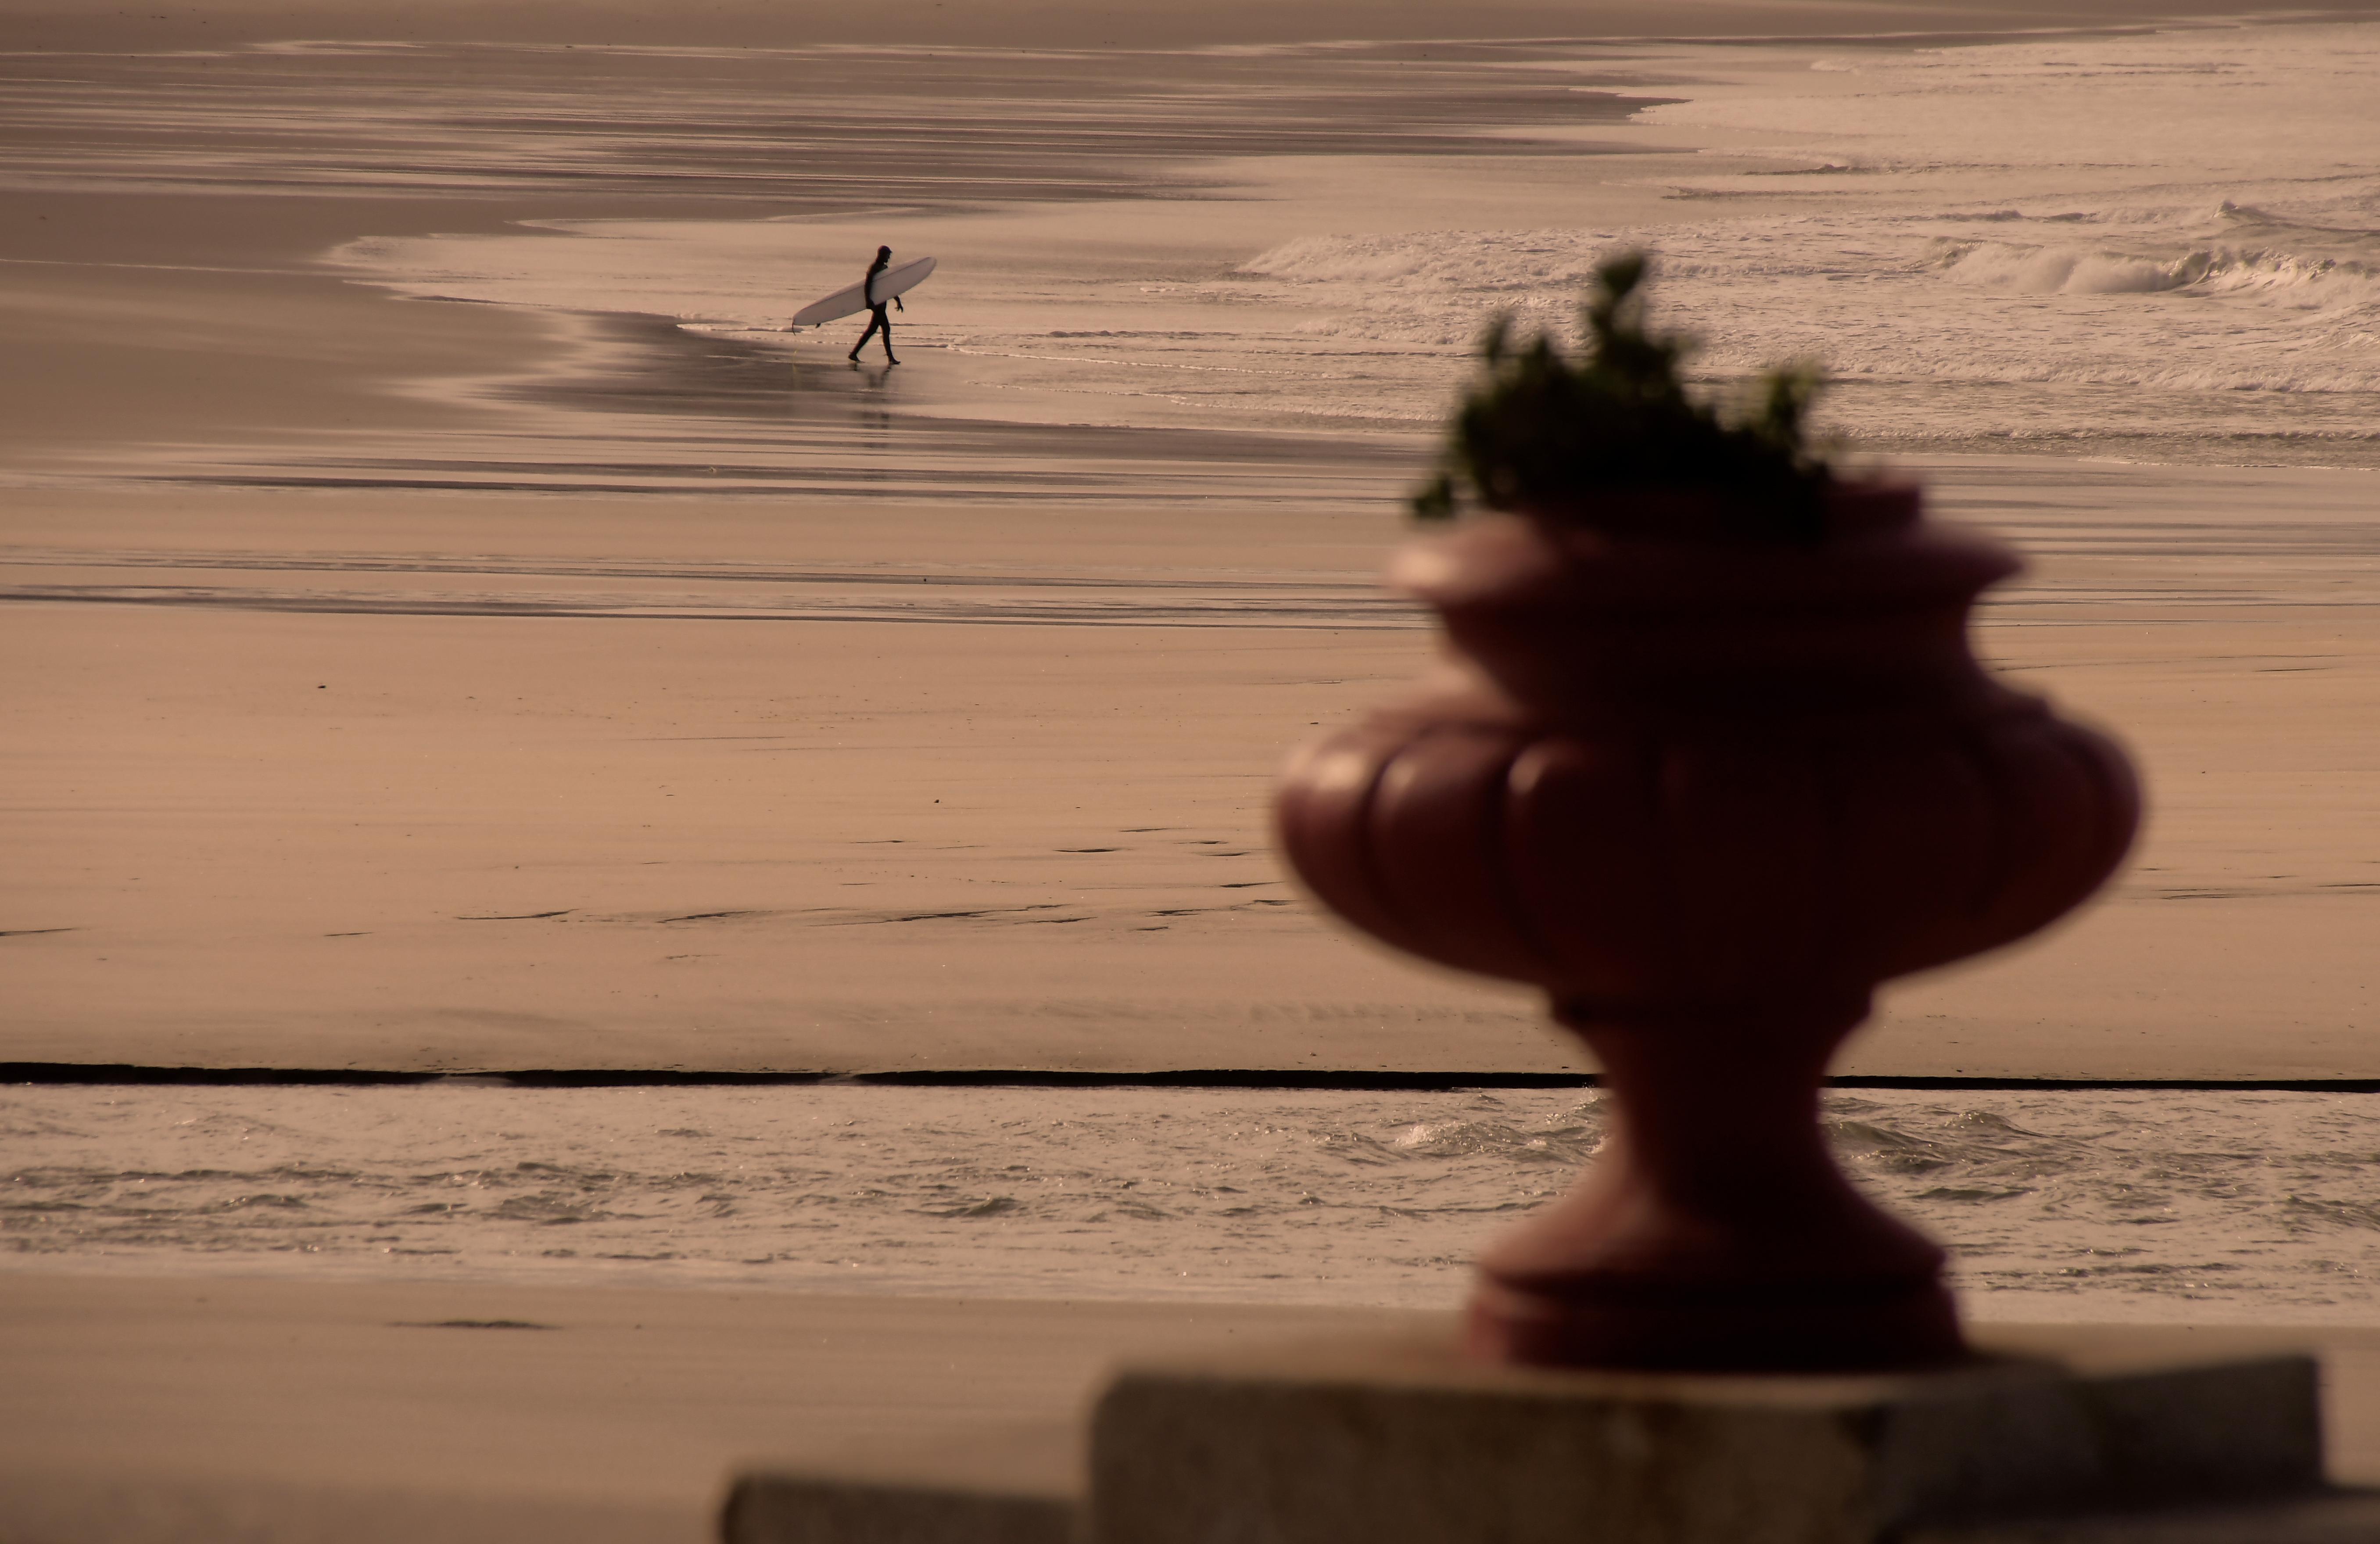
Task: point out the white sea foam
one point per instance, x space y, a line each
2061 1205
2062 270
1896 304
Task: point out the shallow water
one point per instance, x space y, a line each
2158 247
2059 1205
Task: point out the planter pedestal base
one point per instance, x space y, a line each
1877 1326
1332 1442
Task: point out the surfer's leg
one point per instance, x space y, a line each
886 322
875 320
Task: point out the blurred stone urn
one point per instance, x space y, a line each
1707 796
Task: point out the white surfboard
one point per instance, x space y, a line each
899 279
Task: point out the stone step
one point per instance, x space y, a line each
1019 1484
2322 1517
1318 1442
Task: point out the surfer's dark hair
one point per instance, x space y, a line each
1546 436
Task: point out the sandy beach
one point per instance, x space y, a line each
304 780
406 684
278 1410
146 1410
448 626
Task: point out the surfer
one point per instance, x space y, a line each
876 321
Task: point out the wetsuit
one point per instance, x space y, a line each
878 322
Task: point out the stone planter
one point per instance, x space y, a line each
1707 797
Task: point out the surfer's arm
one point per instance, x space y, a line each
897 305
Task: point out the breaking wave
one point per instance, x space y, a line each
1925 302
2279 277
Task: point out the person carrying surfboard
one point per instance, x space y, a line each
886 280
876 321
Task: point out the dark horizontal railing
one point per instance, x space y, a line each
124 1074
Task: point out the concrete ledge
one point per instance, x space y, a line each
1386 1439
794 1509
1318 1442
2332 1517
1018 1484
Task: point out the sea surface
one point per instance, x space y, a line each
2057 1205
2160 246
2154 244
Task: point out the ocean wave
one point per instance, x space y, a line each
1446 262
1898 300
2287 278
2198 256
2054 271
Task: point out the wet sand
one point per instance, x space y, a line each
155 1410
1046 23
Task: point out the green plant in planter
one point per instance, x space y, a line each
1555 440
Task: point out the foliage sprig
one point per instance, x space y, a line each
1549 438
